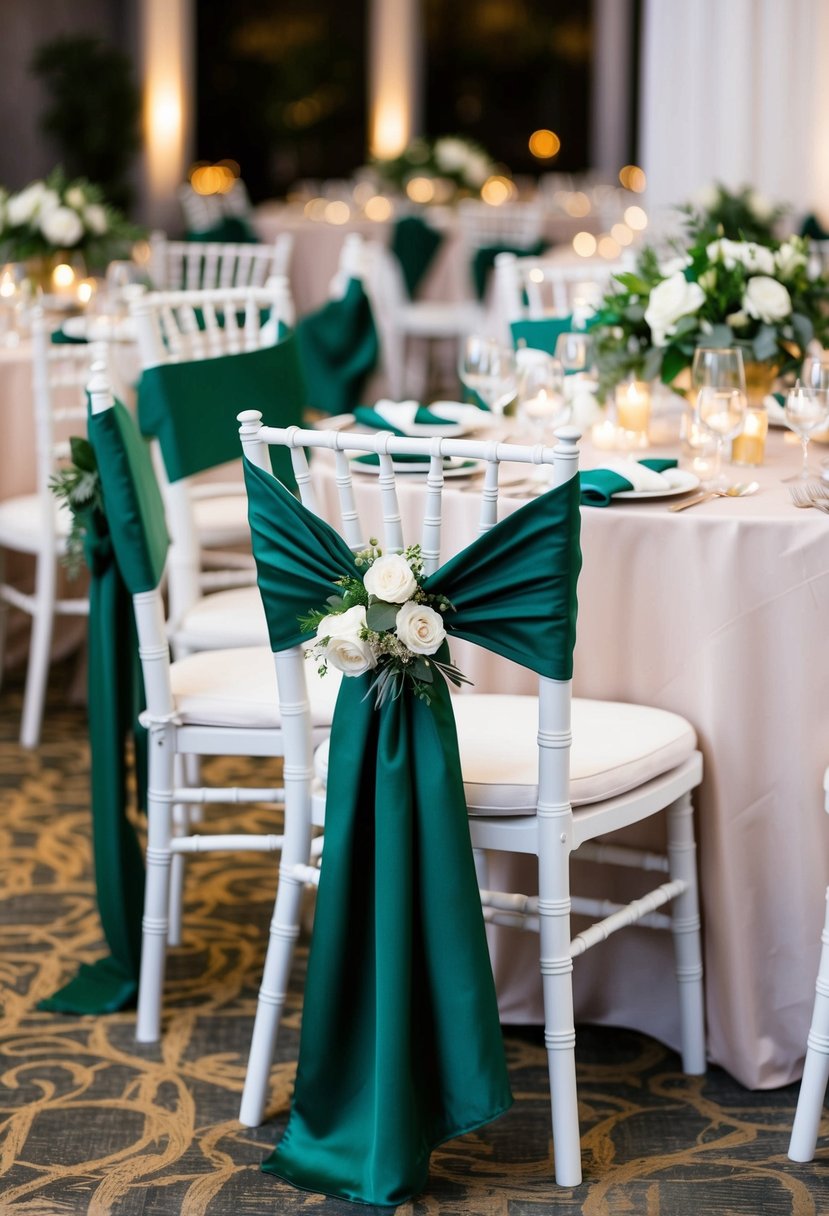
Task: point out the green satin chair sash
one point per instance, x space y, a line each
599 485
414 243
191 408
115 698
401 1046
338 349
483 260
132 499
232 229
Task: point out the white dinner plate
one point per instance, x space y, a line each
685 482
100 329
454 466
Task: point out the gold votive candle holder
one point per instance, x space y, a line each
633 409
749 447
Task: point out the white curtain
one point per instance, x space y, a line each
736 91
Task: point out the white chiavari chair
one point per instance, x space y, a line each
208 265
35 524
531 785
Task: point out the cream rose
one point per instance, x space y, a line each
96 218
766 300
420 628
61 227
23 207
345 649
75 197
390 579
671 299
790 257
756 257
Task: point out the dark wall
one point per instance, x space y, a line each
25 153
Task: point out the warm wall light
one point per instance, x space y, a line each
395 29
544 144
166 33
389 128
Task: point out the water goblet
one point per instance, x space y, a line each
574 351
541 401
722 412
806 411
488 369
718 368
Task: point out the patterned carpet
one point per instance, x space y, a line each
91 1123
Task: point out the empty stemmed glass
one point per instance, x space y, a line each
807 407
718 376
489 370
574 351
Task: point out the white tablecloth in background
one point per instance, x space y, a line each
718 613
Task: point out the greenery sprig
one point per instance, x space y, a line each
78 485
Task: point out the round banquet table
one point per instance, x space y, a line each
718 613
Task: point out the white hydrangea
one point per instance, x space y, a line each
95 218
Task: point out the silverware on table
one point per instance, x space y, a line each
807 496
741 490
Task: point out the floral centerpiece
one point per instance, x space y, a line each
711 291
458 163
385 623
61 216
742 214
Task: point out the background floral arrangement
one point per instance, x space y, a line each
458 161
385 623
740 215
57 214
713 290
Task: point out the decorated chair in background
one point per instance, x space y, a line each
196 265
212 703
398 968
486 231
34 524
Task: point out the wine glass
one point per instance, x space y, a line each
541 401
718 368
722 412
807 409
488 369
574 351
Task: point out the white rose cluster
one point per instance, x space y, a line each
457 157
56 214
671 299
756 259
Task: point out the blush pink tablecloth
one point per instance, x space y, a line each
718 613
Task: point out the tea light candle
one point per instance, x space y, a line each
749 447
603 435
85 291
633 406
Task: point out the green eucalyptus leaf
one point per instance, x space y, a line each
803 329
765 343
83 454
381 616
720 335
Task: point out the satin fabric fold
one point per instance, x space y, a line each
338 347
401 1046
599 485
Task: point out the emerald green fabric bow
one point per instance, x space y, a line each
401 1047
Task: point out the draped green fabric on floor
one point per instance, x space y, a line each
401 1047
115 699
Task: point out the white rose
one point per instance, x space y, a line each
23 207
790 257
451 155
95 217
420 628
671 299
725 251
672 265
755 257
345 649
737 319
706 197
766 300
62 227
75 197
760 205
390 579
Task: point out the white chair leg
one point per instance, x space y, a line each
481 858
192 777
284 930
685 925
154 926
178 862
557 987
816 1069
40 647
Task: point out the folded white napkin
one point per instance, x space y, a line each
400 414
643 478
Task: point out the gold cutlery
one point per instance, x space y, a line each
740 490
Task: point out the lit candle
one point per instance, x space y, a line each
749 446
633 406
603 435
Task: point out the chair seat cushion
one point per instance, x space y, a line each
222 520
238 688
224 618
21 523
616 747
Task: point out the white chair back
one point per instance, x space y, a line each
191 265
534 288
203 211
482 224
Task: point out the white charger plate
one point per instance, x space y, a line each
688 482
454 466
